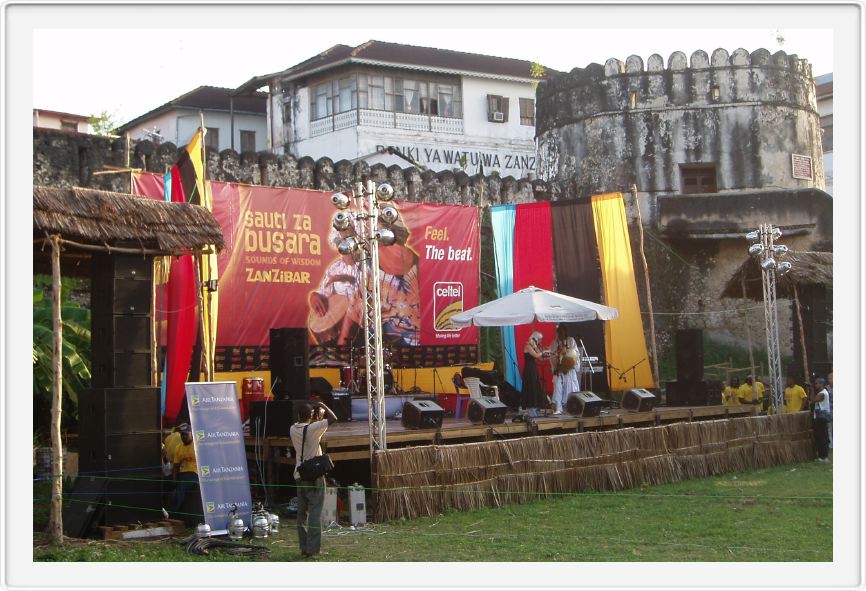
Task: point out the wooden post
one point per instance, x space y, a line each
749 339
807 374
55 522
649 297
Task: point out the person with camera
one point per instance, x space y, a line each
314 418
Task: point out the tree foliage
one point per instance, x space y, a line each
104 124
75 346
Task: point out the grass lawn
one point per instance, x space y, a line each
781 514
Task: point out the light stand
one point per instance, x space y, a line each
363 222
767 252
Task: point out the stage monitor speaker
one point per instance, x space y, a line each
272 418
690 355
583 404
422 414
486 410
341 404
638 400
320 387
290 363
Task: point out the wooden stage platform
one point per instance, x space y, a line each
351 440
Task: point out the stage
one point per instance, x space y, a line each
346 441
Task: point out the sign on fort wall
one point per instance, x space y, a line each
516 163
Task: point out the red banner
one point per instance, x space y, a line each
281 268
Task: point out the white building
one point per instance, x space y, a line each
443 109
64 121
824 95
232 122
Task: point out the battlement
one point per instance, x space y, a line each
701 80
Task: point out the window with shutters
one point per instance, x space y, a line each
497 108
527 111
698 178
248 141
212 138
68 125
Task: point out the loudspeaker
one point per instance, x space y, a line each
119 454
638 400
131 500
486 410
341 404
583 404
690 355
703 393
112 369
121 284
120 333
422 414
321 387
290 363
120 410
272 418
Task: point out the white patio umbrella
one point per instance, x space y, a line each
533 304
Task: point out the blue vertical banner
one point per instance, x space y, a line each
502 219
215 420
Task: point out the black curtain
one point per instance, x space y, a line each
577 273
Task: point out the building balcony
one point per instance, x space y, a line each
385 119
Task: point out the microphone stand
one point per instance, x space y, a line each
633 371
584 354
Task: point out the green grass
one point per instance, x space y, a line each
778 514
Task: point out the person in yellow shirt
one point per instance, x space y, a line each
747 395
731 391
186 473
795 396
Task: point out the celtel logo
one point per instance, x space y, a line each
447 301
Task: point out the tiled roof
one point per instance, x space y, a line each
424 57
208 98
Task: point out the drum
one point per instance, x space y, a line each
348 376
326 327
568 359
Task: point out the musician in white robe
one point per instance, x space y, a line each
565 363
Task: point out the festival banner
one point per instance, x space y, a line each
281 268
215 420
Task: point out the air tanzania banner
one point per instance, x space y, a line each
281 268
219 451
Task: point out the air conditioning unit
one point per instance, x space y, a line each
498 116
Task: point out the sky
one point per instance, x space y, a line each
155 68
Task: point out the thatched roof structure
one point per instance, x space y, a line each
807 268
106 218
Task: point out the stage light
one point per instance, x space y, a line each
756 249
780 250
342 221
348 245
768 264
340 200
389 215
386 237
783 268
777 233
384 192
753 235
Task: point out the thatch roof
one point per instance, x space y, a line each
807 268
103 217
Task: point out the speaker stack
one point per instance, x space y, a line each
422 414
638 400
486 410
120 417
290 363
583 404
690 389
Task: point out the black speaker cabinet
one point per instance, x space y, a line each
703 393
638 400
272 418
290 363
486 410
121 284
583 404
119 454
341 404
690 355
422 414
121 370
120 333
320 387
135 500
120 410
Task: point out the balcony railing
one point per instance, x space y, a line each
386 119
